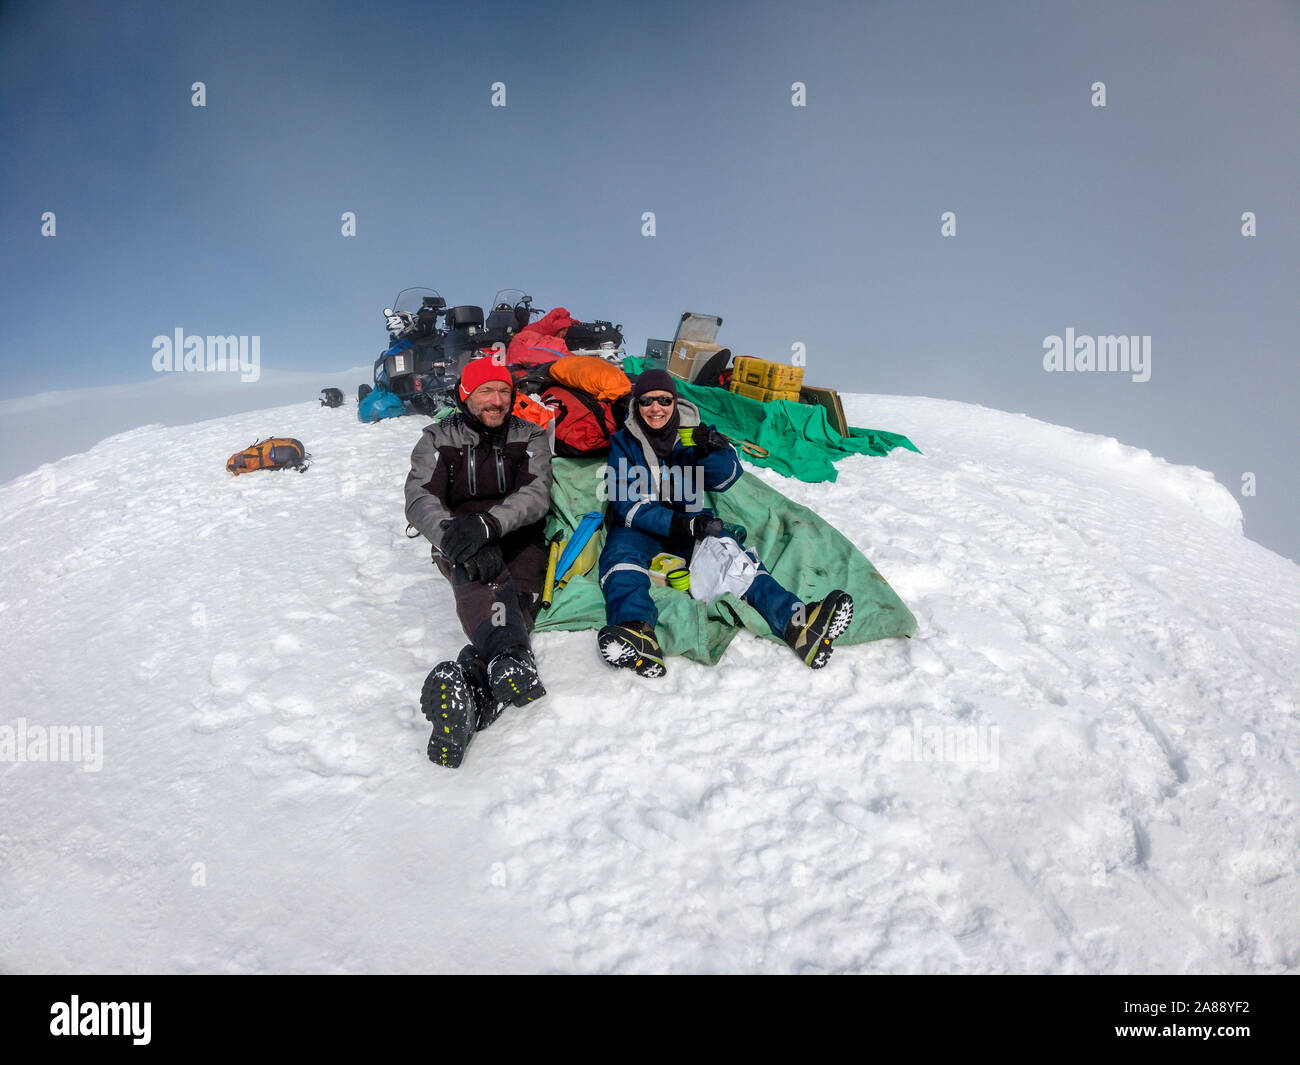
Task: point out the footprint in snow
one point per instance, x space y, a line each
284 740
286 644
924 658
294 707
228 674
410 638
323 754
211 715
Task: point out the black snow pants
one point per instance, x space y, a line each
499 614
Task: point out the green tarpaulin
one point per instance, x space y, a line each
802 551
800 441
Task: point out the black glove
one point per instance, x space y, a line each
484 564
464 535
708 440
697 527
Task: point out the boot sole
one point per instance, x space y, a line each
448 704
621 654
835 625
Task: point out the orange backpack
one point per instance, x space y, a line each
273 453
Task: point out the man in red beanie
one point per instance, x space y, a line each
479 489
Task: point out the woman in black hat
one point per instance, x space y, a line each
660 466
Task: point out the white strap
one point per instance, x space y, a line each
622 565
635 507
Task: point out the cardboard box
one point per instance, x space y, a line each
689 357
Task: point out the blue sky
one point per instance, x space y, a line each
817 225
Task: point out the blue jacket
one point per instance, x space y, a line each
645 495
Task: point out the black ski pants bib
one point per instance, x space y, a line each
499 614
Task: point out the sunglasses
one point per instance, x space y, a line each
648 401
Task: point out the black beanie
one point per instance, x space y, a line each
654 381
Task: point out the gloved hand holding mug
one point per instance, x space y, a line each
708 440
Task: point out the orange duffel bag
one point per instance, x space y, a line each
592 375
531 411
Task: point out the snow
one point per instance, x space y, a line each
1085 761
50 425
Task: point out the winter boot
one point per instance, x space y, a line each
632 646
487 708
823 622
512 677
448 701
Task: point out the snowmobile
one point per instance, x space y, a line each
469 335
430 343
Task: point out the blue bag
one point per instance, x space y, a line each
378 405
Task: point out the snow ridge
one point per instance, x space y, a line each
1085 761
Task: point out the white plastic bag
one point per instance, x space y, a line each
720 565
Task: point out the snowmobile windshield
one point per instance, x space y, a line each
508 298
411 299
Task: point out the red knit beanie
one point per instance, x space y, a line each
480 372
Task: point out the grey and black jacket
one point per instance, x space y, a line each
456 468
